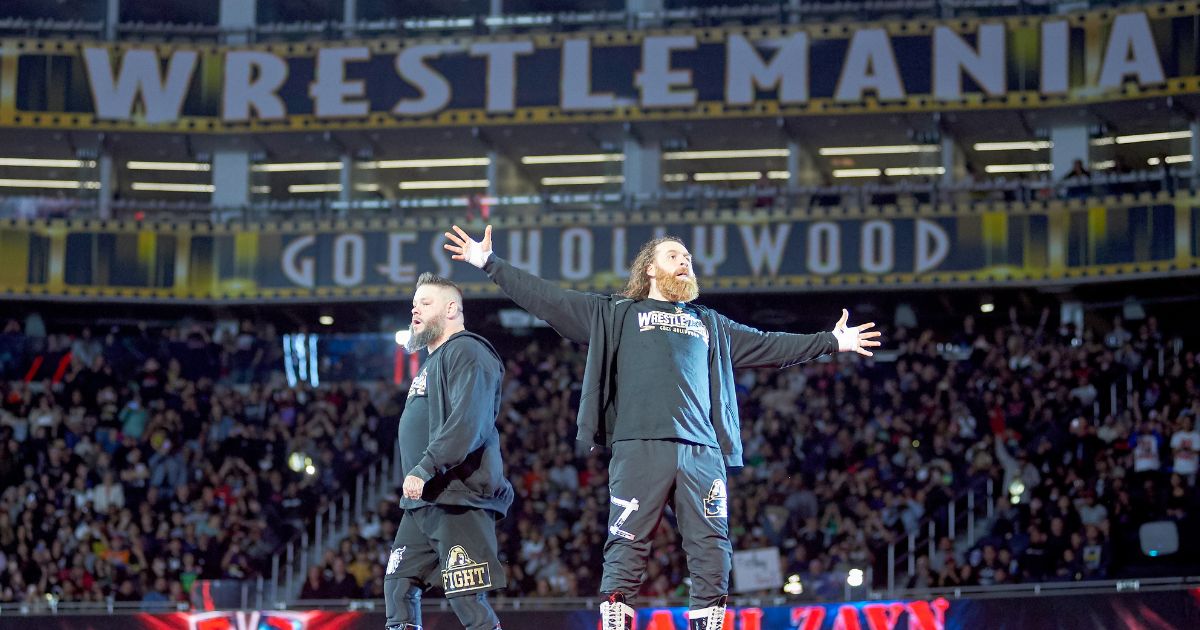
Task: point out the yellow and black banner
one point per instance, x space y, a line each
661 74
975 245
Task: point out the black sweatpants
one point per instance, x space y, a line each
454 547
643 476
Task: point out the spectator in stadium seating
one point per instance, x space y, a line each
341 584
1185 445
314 585
192 476
831 443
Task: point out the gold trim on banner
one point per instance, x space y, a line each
1095 25
602 37
550 115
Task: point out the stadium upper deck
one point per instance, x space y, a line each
114 108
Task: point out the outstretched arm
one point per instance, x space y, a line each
751 347
569 312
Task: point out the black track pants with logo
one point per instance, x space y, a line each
643 476
451 547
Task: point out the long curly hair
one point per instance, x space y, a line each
638 286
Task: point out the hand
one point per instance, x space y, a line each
853 338
413 487
465 248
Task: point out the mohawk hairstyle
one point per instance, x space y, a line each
433 279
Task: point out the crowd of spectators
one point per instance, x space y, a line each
844 457
136 461
160 456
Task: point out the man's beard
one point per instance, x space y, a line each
676 288
419 340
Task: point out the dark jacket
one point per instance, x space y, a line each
462 464
597 320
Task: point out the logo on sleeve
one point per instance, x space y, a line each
462 574
418 384
716 503
395 558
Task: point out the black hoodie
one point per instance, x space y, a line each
597 321
461 463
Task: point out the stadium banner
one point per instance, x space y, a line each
1021 62
847 249
1175 609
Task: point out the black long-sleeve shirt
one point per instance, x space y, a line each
597 320
459 453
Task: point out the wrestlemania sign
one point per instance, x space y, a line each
791 70
976 245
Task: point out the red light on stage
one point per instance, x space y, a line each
252 620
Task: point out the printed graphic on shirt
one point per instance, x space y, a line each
395 558
418 385
716 504
678 322
463 574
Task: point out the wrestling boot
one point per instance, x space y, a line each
615 614
711 618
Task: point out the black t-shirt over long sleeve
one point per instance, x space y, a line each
459 454
662 375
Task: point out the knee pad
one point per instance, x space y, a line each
402 603
474 612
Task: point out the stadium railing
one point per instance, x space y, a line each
1147 186
290 565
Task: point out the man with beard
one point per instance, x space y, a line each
455 488
658 389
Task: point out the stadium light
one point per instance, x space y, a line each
727 177
48 183
907 171
582 180
1019 145
431 163
46 163
857 172
325 320
854 578
793 586
293 167
314 188
881 150
1171 159
723 155
402 337
169 187
444 183
1018 168
195 167
1142 137
987 307
583 158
